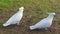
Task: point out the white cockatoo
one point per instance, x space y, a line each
15 19
44 23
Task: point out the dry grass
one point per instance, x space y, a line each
35 10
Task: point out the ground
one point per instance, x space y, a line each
34 11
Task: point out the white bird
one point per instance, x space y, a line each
44 23
15 19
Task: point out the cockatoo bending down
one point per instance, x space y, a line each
45 23
15 19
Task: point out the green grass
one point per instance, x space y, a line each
35 10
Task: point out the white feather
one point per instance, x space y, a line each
15 19
44 23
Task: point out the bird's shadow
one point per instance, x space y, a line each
10 26
41 30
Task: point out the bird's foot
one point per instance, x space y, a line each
46 28
18 24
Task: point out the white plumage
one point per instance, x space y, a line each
15 19
44 23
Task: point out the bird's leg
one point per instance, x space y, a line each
46 28
18 23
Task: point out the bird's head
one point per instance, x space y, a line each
52 14
21 8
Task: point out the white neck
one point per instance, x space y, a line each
20 10
50 17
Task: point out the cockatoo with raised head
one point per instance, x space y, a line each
15 19
44 23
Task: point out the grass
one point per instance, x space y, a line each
35 10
